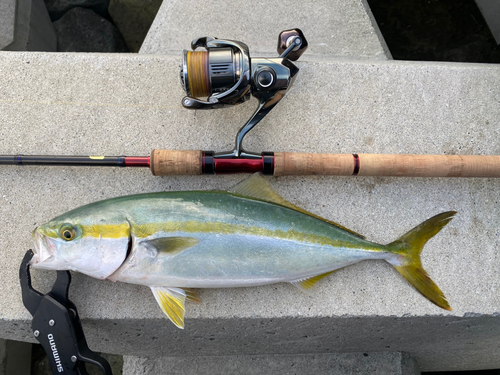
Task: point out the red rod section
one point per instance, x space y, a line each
137 161
213 165
227 166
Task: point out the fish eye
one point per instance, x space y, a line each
68 233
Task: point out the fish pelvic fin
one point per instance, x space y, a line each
171 301
409 246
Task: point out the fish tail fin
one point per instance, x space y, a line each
409 246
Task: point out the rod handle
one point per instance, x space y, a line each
295 163
289 163
175 162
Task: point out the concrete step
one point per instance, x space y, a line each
389 363
106 104
333 28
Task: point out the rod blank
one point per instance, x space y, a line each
85 161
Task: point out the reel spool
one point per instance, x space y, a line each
225 75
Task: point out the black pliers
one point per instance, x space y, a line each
56 325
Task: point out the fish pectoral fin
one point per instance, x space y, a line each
171 245
256 186
171 301
307 283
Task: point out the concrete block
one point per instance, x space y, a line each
7 21
388 363
97 104
15 357
333 28
25 25
491 13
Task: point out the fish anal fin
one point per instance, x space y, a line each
307 283
171 301
171 245
256 186
191 295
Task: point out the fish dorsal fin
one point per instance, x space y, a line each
256 186
171 301
307 283
171 245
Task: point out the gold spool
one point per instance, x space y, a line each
198 73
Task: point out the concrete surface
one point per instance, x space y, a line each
15 357
27 26
491 13
333 28
393 363
91 104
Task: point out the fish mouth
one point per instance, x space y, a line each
44 250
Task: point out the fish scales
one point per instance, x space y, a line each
242 242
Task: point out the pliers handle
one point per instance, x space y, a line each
56 324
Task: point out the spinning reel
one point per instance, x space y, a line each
225 75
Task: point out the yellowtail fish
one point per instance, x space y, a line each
248 236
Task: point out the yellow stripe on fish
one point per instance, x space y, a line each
106 230
147 230
115 231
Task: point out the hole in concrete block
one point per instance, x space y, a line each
101 25
435 30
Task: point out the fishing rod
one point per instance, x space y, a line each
225 75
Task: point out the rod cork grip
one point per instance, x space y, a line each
429 165
174 162
290 163
295 163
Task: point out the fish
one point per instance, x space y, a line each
248 236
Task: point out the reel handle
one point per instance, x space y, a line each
173 162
